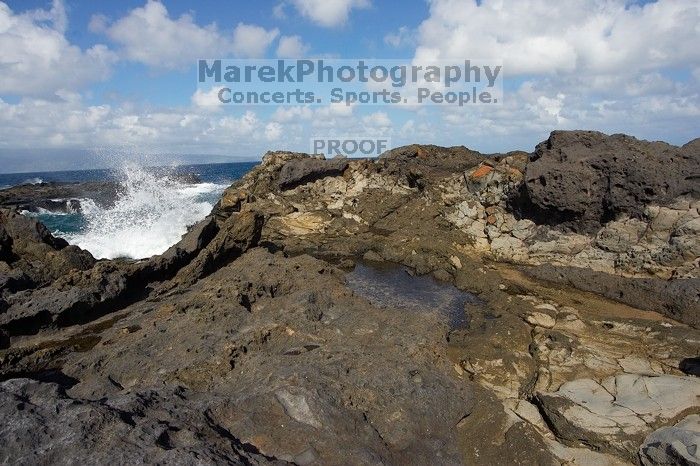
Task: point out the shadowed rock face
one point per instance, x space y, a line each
581 179
249 341
306 170
30 257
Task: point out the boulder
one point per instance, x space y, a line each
305 170
673 445
33 257
579 180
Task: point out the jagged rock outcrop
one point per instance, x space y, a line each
83 296
31 257
305 170
580 180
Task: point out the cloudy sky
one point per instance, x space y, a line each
119 77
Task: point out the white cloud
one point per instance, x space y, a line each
37 59
586 64
278 11
70 123
98 24
328 13
541 37
403 37
291 47
150 36
377 119
250 41
273 131
208 99
291 114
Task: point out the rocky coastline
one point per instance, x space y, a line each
66 197
576 269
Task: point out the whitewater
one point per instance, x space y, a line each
151 213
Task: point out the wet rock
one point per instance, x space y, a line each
672 445
306 170
58 196
583 179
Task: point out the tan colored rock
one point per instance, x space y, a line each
523 229
541 319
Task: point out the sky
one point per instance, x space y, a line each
83 83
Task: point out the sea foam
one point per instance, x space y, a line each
151 213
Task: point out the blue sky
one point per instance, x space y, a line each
119 77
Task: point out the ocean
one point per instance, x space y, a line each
151 213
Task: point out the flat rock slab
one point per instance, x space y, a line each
620 410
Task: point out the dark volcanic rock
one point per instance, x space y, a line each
33 257
678 299
582 179
41 424
111 285
33 197
5 245
245 344
25 230
239 232
306 170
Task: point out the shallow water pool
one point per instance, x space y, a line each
394 286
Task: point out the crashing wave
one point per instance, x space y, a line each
150 214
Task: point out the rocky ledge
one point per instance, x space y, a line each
67 197
573 272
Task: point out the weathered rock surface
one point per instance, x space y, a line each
41 424
677 444
582 179
677 299
31 257
305 170
247 342
619 411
